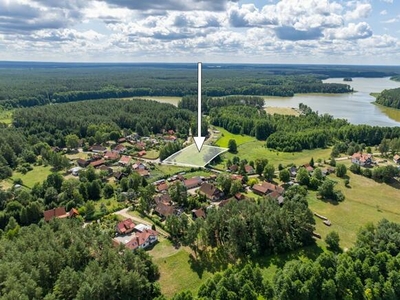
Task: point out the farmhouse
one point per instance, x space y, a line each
361 159
98 149
97 163
111 155
266 188
192 182
164 210
210 191
83 163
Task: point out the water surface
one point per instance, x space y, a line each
356 107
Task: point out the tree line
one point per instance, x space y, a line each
389 98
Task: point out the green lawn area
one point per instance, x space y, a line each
256 149
75 156
169 170
6 116
225 136
38 174
366 201
176 273
152 154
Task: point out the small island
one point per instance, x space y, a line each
347 79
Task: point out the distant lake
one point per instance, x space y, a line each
355 107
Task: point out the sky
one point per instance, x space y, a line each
211 31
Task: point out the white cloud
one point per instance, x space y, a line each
383 12
358 10
350 32
387 1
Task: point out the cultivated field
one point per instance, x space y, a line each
281 111
191 157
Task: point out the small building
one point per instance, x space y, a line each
233 168
164 210
98 149
309 168
162 187
120 148
170 138
83 163
266 188
396 159
249 170
198 213
124 227
143 173
112 155
124 160
75 171
58 213
142 153
210 191
193 182
97 163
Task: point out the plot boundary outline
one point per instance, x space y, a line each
174 158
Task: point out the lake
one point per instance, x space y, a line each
356 107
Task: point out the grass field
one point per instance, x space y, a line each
6 184
6 116
38 174
256 149
366 201
152 154
171 100
176 273
190 156
281 111
225 136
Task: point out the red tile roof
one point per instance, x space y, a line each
161 187
125 159
141 238
192 182
97 163
125 226
58 212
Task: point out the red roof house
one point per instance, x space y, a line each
143 239
124 227
58 212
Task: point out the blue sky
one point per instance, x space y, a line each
252 31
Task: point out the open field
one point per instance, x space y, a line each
366 201
38 174
6 116
225 136
191 157
171 100
281 110
75 156
256 149
152 154
176 273
6 184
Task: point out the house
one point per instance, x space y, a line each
139 166
122 140
249 169
164 210
171 132
309 168
162 187
237 177
143 239
73 213
111 155
125 160
396 159
119 148
83 163
362 159
58 213
224 202
239 196
293 171
141 153
210 191
97 163
141 227
164 198
198 213
192 182
118 175
267 188
143 172
140 145
233 168
124 227
98 149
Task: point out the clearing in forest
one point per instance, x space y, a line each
191 157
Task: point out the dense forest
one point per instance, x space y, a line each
62 260
94 120
370 270
290 133
389 98
27 87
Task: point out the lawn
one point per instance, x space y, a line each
38 174
6 116
225 136
256 149
152 154
75 156
191 157
6 184
366 201
176 273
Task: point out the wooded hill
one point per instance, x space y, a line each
389 98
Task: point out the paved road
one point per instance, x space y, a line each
125 214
